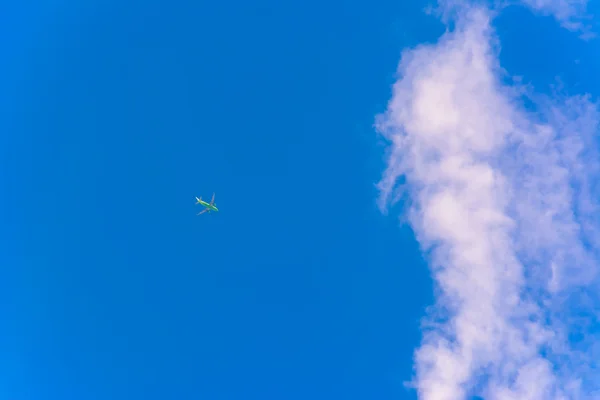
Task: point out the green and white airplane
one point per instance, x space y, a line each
209 206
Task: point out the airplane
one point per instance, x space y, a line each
209 206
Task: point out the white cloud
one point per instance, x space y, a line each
503 201
570 13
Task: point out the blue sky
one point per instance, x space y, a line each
119 115
116 114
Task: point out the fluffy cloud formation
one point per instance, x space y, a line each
503 201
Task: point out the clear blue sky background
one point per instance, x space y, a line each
115 114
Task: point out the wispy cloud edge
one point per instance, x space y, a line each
503 199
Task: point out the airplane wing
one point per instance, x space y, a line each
203 211
212 200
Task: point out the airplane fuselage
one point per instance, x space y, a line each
208 205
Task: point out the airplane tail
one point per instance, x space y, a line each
198 200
